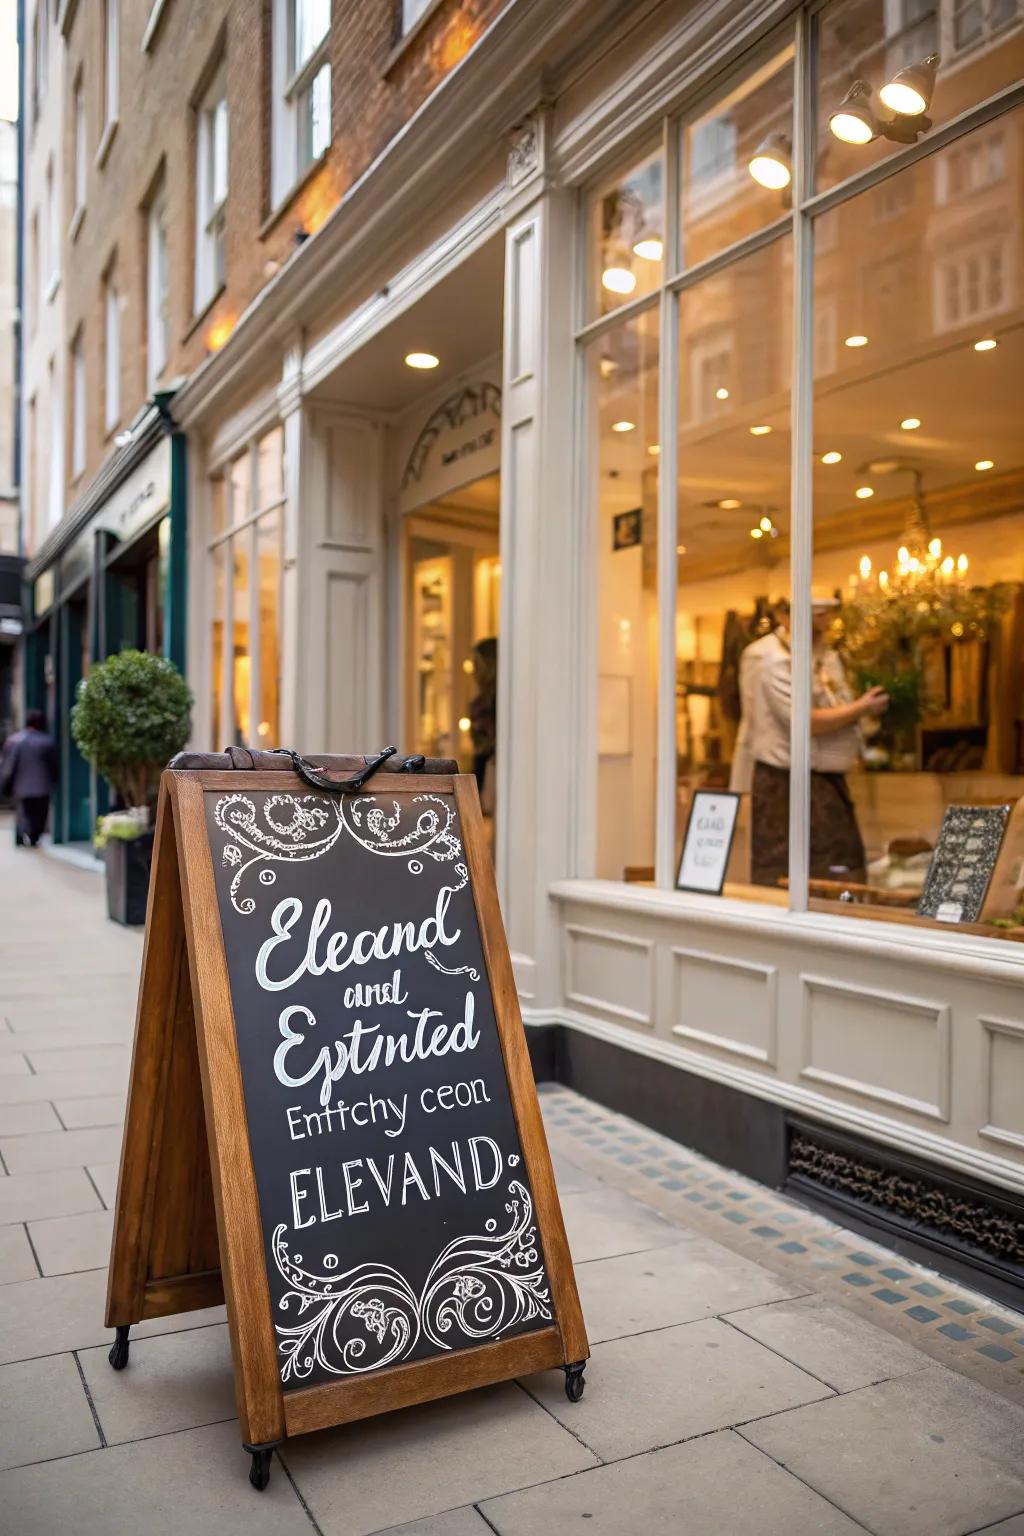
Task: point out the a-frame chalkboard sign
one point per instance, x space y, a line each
332 1123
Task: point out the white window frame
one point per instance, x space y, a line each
292 85
157 288
412 12
81 152
78 405
51 256
111 353
55 484
213 142
111 62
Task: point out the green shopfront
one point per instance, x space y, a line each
111 575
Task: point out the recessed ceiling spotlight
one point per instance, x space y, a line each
985 464
721 393
618 280
654 449
909 92
680 549
421 360
760 431
729 504
863 492
855 341
987 344
910 423
772 163
649 248
765 525
623 426
756 533
832 457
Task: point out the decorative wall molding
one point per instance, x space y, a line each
991 1028
767 975
939 1015
575 932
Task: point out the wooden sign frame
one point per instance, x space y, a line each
187 1227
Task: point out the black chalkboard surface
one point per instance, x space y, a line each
396 1209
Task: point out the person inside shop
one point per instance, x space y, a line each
837 718
28 773
483 711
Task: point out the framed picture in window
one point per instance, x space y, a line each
707 843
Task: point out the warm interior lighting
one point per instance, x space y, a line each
730 504
607 366
935 548
464 722
648 249
853 120
855 341
654 449
961 563
759 431
421 360
865 566
863 492
618 280
765 525
832 457
910 423
721 393
219 333
985 464
909 92
772 164
756 533
680 549
988 344
623 426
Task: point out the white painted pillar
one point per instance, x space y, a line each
541 568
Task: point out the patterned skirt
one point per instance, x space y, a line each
837 850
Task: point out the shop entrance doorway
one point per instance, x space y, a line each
453 598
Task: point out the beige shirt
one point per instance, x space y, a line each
766 698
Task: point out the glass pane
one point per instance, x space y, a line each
241 488
241 665
270 468
268 559
312 21
732 619
217 493
315 124
919 539
219 153
862 49
737 161
625 234
218 556
623 395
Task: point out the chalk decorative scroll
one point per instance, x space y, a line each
478 1288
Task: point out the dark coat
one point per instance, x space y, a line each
30 761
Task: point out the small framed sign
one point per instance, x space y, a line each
708 841
963 862
628 528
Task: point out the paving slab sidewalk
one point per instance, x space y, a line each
738 1385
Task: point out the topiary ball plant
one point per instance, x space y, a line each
132 716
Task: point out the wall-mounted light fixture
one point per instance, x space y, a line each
771 165
899 114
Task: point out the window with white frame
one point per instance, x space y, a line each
977 21
40 56
78 405
842 651
52 230
56 481
245 567
111 353
157 292
211 190
81 149
301 90
111 61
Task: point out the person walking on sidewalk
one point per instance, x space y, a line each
28 773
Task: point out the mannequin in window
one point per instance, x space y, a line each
836 846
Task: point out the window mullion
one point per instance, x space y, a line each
252 539
668 531
802 448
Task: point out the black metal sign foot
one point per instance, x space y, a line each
574 1382
118 1356
259 1472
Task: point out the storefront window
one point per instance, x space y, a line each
870 538
733 556
933 61
627 237
623 369
919 525
737 161
245 683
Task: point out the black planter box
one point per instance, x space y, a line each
128 861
